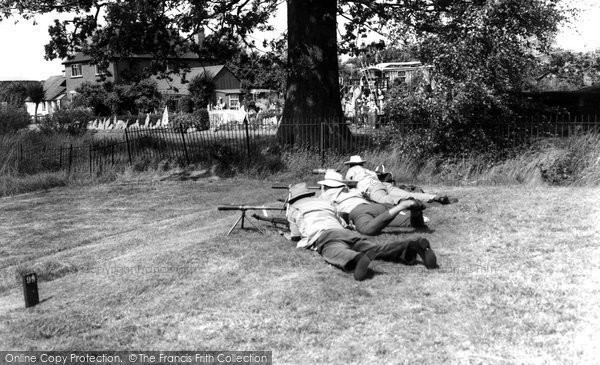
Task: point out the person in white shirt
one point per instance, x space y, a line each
385 193
368 217
315 225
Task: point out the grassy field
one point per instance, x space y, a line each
145 265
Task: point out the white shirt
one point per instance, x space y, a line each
344 201
367 179
309 217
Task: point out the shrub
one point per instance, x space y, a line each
13 119
462 124
185 104
181 122
92 96
71 120
198 119
202 119
108 98
202 88
268 114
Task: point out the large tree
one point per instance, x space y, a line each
37 95
167 28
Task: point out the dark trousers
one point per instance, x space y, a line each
372 218
340 247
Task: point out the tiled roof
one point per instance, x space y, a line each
80 57
54 86
178 86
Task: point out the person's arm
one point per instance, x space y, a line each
351 174
412 204
294 234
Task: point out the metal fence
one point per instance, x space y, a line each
245 141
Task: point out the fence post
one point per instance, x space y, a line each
90 159
187 158
70 157
247 137
20 156
128 148
322 143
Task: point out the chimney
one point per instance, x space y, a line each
199 38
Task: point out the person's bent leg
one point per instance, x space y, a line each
370 219
338 254
334 248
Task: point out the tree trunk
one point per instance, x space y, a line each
35 118
313 90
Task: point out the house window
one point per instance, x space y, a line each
76 70
234 102
99 70
43 106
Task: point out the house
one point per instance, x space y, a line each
54 97
390 72
227 85
79 69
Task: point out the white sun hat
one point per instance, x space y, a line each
355 160
333 179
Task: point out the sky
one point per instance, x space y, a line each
22 44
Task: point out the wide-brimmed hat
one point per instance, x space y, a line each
355 160
333 179
298 191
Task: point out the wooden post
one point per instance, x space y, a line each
187 157
70 157
128 148
322 143
247 137
20 159
90 159
30 289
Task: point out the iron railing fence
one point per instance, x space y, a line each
247 139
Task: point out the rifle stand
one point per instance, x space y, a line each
242 218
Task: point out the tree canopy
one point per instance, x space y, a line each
564 70
470 42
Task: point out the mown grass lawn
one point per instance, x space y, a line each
146 266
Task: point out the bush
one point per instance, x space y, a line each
185 104
202 119
462 124
13 119
108 98
71 120
268 114
183 121
202 89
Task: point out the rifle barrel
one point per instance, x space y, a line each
287 187
246 207
322 171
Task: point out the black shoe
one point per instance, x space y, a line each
444 200
362 267
427 254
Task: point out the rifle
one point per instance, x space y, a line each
286 187
322 171
243 209
273 220
349 183
247 207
